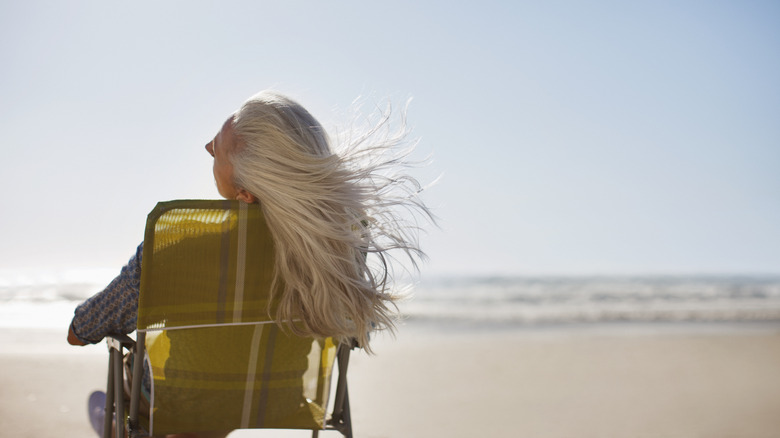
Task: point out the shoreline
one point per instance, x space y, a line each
616 328
50 340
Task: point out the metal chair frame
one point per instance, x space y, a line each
340 418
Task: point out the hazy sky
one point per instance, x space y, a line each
573 137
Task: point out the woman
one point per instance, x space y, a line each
333 216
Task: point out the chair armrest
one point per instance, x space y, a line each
118 341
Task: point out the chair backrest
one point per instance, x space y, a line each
217 359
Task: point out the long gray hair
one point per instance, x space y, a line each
334 216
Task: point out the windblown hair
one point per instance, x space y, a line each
333 216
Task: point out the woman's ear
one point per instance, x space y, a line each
245 196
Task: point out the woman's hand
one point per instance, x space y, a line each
72 339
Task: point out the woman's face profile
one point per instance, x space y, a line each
220 148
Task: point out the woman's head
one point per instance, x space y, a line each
269 137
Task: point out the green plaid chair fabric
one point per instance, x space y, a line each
216 359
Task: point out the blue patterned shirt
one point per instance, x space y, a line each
114 310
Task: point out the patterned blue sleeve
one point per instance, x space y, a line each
114 310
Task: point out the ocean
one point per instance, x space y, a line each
549 300
47 300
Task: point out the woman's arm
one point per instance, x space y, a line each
114 310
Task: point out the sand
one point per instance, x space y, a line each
589 381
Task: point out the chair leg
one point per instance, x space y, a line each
347 417
341 418
109 410
119 394
341 384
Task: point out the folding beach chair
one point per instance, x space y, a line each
214 358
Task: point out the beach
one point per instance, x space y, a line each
597 380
